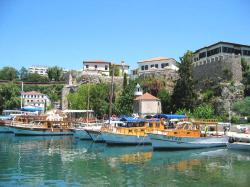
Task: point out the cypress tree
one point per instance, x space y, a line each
184 95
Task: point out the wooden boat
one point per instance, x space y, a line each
95 132
187 135
43 128
82 133
4 126
132 132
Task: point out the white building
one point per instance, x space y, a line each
157 64
219 51
41 70
145 104
35 99
96 67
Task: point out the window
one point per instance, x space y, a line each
156 65
213 51
106 67
152 65
142 68
246 52
95 66
146 67
202 55
216 58
87 66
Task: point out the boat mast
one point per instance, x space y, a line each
111 93
22 95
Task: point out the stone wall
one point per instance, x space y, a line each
226 69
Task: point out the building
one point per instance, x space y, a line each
145 104
41 70
219 51
123 68
157 65
219 61
96 67
35 99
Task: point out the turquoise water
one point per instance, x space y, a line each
65 161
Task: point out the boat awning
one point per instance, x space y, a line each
132 120
31 109
77 111
170 116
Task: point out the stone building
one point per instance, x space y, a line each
219 61
145 104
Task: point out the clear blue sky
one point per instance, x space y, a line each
64 33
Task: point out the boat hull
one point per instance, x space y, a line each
5 129
122 139
161 142
24 131
239 146
81 134
95 135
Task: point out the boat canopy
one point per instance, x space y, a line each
132 120
77 111
170 116
32 109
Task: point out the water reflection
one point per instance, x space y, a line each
62 161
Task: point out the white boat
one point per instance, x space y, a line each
95 133
186 135
82 131
112 138
239 146
161 141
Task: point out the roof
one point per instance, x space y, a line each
146 96
221 42
77 111
96 61
170 116
32 93
160 58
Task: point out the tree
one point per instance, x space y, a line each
23 73
34 77
96 96
116 70
9 96
204 111
8 73
125 81
54 73
184 92
125 101
242 107
165 98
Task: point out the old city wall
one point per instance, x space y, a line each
225 69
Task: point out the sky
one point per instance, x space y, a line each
66 32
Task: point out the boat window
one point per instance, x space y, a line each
150 125
175 132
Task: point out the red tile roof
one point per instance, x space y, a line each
32 93
146 96
96 62
160 58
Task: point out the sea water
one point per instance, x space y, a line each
67 161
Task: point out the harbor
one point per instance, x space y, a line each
66 161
